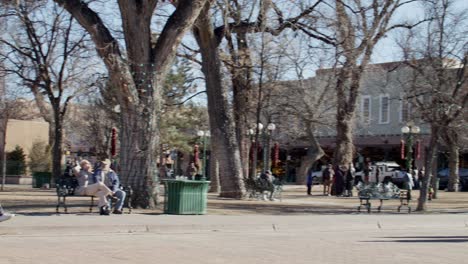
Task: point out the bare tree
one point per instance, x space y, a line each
236 29
438 59
137 75
222 126
304 106
353 28
243 23
47 57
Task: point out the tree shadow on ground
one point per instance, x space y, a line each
280 209
422 239
37 213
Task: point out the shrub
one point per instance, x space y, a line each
16 161
40 159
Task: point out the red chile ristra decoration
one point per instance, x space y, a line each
275 155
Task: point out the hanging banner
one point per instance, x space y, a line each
418 149
251 152
275 155
402 149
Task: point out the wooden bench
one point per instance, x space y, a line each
66 188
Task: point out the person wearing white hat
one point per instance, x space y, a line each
96 189
110 178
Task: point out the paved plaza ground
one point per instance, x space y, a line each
299 229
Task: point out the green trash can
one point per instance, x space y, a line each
41 178
185 197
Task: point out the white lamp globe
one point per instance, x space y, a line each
200 133
405 130
271 127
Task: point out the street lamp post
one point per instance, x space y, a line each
255 132
204 135
266 148
253 152
409 130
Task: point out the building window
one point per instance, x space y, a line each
366 109
405 109
384 113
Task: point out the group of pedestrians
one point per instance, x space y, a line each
102 182
338 181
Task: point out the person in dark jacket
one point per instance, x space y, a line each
366 170
309 182
339 182
350 180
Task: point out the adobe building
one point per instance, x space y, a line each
23 133
383 109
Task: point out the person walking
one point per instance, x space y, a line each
350 180
378 172
327 177
339 182
192 170
408 183
309 182
266 180
366 170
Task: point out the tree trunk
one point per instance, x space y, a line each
139 139
434 179
347 88
221 118
57 149
162 163
3 131
344 149
241 73
431 158
454 180
214 168
44 111
314 153
137 79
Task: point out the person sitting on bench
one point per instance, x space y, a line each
108 176
96 189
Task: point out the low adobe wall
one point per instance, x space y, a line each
18 179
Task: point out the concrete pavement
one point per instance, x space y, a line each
300 229
139 238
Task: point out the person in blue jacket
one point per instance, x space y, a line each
110 178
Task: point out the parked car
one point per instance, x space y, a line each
317 176
443 176
386 169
